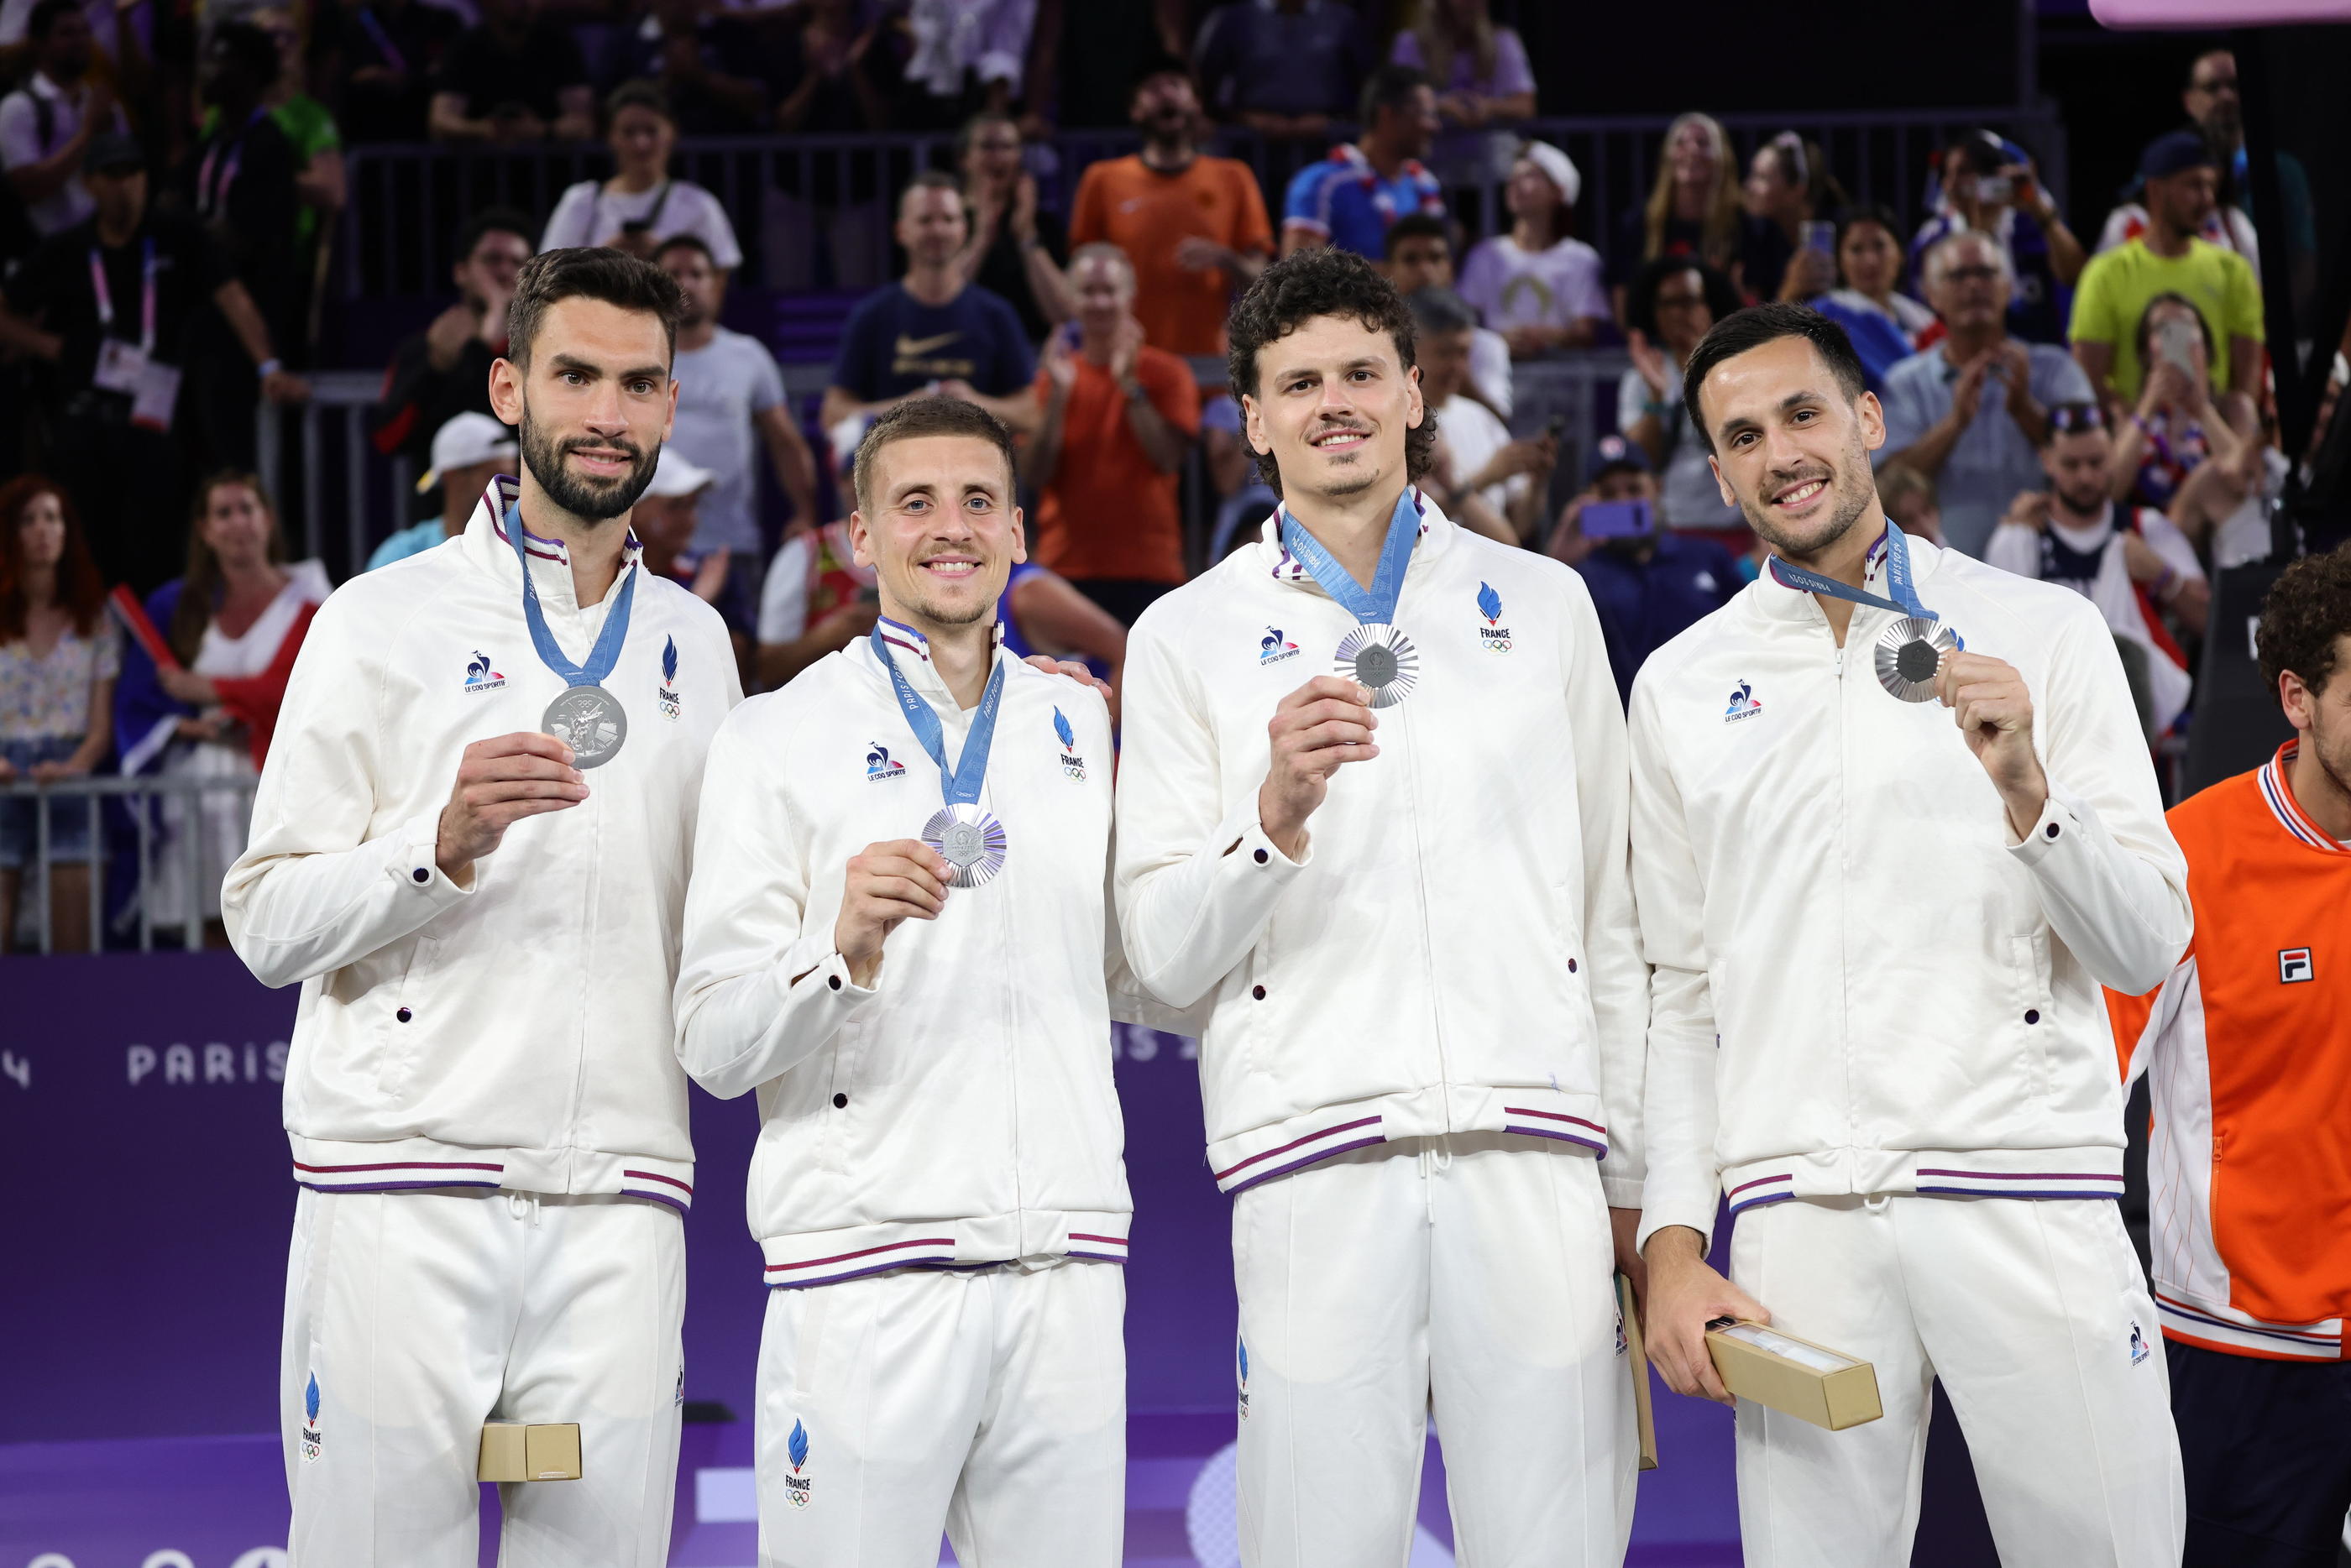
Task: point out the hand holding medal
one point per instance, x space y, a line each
1994 709
901 880
1316 730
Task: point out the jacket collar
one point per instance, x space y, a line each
550 560
1783 603
2277 790
1274 559
910 651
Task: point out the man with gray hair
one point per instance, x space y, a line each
1971 412
1483 479
1119 415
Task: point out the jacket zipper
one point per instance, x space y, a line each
1844 883
1428 936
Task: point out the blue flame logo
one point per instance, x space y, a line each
797 1446
1241 1349
1489 603
669 662
310 1399
1062 728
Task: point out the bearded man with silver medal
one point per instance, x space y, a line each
1877 1025
487 1123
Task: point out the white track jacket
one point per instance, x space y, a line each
1457 950
1861 983
961 1111
515 1033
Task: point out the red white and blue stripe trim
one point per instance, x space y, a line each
1360 1133
669 1190
1559 1127
2279 794
399 1175
2019 1183
921 1251
1776 1188
1110 1248
2224 1328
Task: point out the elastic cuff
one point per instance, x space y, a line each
1621 1191
2056 824
414 864
1654 1219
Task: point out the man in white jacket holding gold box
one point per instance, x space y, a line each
1894 825
898 935
1403 892
488 1125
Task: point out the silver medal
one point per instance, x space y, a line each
588 720
1909 653
970 841
1382 659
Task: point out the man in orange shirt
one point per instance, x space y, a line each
1192 226
2247 1050
1119 417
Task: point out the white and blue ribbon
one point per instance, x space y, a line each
1375 606
1897 581
607 651
960 784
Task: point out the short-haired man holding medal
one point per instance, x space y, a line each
471 847
1894 824
898 935
1372 810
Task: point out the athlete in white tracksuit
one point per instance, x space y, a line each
937 1186
1879 937
1422 1071
488 1125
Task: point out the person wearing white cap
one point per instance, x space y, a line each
1538 286
468 452
665 519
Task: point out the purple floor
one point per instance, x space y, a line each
220 1501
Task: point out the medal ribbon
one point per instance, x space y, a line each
1375 606
147 296
960 786
607 651
1898 580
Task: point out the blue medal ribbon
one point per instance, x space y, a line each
1375 606
1898 580
607 651
960 784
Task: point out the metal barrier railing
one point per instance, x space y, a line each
138 795
315 451
815 211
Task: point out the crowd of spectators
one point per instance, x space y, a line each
2093 416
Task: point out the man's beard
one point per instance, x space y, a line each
1167 128
939 612
2332 751
1849 510
590 500
2088 504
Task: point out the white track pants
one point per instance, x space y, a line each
2035 1316
992 1403
421 1315
1469 1277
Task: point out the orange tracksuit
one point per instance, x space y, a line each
2247 1049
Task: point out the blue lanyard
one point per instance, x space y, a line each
1897 578
960 786
607 651
1376 605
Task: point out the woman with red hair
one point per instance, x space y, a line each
58 659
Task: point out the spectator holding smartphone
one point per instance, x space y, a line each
1781 253
1648 584
640 206
1989 186
2174 426
58 659
2182 184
